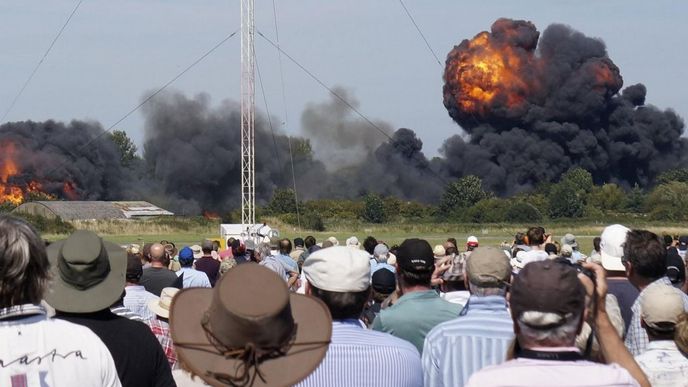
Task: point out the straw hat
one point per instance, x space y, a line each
161 306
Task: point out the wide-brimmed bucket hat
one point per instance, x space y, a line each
88 273
249 330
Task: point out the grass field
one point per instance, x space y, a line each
183 231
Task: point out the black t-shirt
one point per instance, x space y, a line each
154 279
139 358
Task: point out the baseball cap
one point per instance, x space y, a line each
488 266
415 255
676 268
569 239
548 287
186 255
384 281
661 304
338 269
683 242
472 241
612 240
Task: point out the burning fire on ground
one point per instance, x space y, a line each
14 189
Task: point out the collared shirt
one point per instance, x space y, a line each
38 351
456 297
479 337
523 372
360 357
275 265
194 278
664 364
161 330
296 253
636 338
414 315
137 299
375 265
125 312
289 264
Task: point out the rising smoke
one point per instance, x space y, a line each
534 109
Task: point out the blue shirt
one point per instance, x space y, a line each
194 278
479 337
288 263
360 357
375 266
414 315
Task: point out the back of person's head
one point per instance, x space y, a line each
453 242
520 238
157 253
186 257
24 266
340 277
369 244
551 249
216 245
488 271
384 283
668 240
415 263
547 302
681 333
645 251
660 309
145 252
134 268
285 246
298 242
207 247
309 241
536 236
676 268
596 243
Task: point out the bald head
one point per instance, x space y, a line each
157 252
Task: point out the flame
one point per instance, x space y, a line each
484 71
10 191
211 215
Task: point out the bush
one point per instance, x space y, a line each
487 211
608 197
668 202
522 212
47 225
462 194
283 202
565 201
374 209
309 221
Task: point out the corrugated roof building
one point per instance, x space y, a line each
91 210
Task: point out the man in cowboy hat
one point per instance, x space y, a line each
88 276
340 277
35 349
248 330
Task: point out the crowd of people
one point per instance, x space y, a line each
534 311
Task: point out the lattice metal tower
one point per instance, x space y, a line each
248 110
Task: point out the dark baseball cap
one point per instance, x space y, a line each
683 242
415 255
384 281
134 267
676 269
548 287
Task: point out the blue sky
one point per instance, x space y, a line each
114 51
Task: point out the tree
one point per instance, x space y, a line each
127 148
608 197
374 209
565 201
678 174
462 194
522 212
635 201
668 201
283 202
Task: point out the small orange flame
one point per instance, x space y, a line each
211 215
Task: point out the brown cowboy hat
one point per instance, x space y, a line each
249 330
88 273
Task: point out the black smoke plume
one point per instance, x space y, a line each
65 159
536 106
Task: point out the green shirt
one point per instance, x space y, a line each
414 315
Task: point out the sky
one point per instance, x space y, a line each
113 53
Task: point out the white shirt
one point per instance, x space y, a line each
456 297
540 373
136 300
38 351
664 365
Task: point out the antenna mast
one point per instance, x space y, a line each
248 110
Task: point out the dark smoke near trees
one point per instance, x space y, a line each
532 107
536 108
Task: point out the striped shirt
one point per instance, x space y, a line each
479 337
636 337
360 357
123 311
136 300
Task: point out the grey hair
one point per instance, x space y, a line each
263 250
24 266
481 291
562 335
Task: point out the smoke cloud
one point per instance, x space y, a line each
535 107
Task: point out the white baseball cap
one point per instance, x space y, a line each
338 269
611 246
